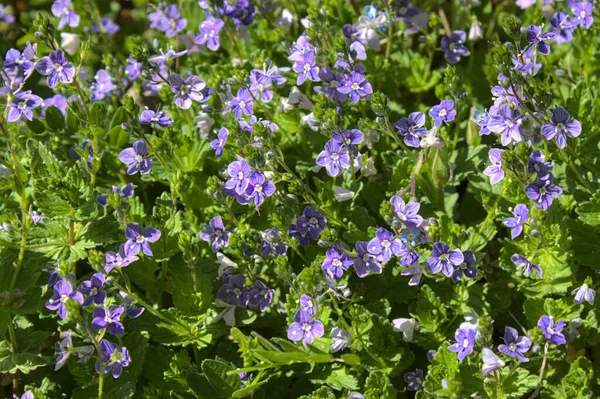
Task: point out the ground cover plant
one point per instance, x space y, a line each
310 199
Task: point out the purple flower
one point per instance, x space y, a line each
311 222
215 233
491 362
233 292
218 143
333 82
334 158
242 103
306 304
304 328
467 268
63 351
139 240
64 10
22 105
453 46
108 26
18 62
506 123
260 296
539 166
239 172
36 217
187 90
521 215
123 258
272 243
173 23
62 292
444 259
209 33
335 263
133 68
127 303
465 342
406 213
136 158
415 380
552 332
259 86
163 58
412 129
562 27
364 261
307 68
92 290
584 293
443 112
159 118
111 320
495 171
582 14
542 192
561 126
535 36
113 358
515 346
259 187
407 257
527 63
415 271
5 16
102 85
384 245
242 12
57 101
348 138
356 86
522 263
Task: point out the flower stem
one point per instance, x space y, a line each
542 369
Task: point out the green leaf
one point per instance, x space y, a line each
119 118
378 386
216 373
23 362
117 137
589 212
54 118
430 311
36 126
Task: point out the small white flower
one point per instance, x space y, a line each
341 339
475 32
69 42
311 122
491 362
584 293
227 314
432 140
204 123
369 169
342 194
224 263
285 19
356 395
406 327
296 97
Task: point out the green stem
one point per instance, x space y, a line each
13 348
542 369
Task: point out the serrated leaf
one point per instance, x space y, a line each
217 376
